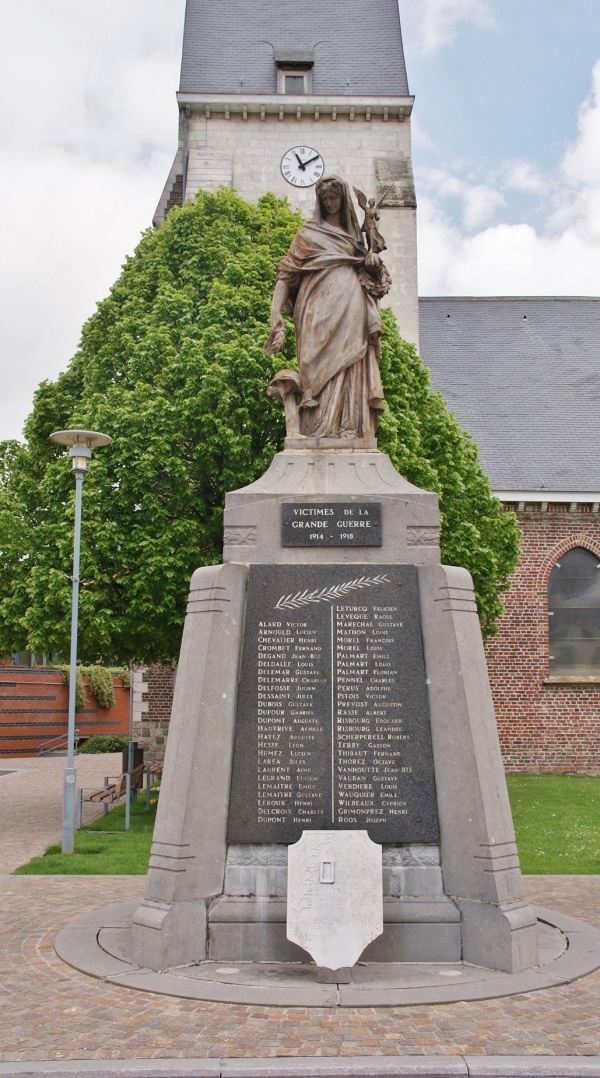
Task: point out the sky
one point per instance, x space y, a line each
506 151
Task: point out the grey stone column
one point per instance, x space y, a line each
187 864
480 865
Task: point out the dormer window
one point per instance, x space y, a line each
294 71
295 82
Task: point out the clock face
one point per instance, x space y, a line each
302 166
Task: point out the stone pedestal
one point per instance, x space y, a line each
410 516
452 885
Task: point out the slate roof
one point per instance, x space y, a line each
523 376
357 43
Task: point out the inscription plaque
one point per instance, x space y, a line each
346 524
332 726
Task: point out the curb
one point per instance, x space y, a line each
318 1067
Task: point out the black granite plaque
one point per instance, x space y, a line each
346 524
332 723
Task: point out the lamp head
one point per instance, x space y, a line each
81 443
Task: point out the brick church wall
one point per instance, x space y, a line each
543 726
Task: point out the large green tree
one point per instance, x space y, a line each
171 366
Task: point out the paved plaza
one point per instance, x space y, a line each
49 1011
31 801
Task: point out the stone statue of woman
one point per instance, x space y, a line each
330 283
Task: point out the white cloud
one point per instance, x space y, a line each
524 176
88 129
580 165
432 24
560 257
479 202
505 260
580 162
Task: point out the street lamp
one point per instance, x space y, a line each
81 443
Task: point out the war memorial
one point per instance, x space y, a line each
333 826
353 648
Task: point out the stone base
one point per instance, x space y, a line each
254 930
343 975
295 441
248 941
99 944
176 930
500 936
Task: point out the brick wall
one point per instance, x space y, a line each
34 704
543 726
152 700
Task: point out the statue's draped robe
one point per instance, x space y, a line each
338 329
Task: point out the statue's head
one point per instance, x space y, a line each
330 193
333 196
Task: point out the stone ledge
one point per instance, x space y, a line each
558 679
410 909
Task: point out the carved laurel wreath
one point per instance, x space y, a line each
328 595
379 286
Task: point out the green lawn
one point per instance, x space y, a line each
557 821
98 853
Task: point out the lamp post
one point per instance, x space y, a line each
81 443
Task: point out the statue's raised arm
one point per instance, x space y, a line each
331 283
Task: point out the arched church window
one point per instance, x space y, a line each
574 609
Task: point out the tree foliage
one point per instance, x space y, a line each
171 366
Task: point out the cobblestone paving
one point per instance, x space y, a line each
31 801
49 1011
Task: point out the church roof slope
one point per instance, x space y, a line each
229 46
523 376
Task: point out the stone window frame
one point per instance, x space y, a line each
558 552
294 69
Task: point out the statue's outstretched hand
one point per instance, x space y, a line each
276 338
372 263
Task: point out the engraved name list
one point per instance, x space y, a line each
332 725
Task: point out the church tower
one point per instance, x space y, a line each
276 93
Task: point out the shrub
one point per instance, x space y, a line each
124 672
79 688
104 743
101 685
